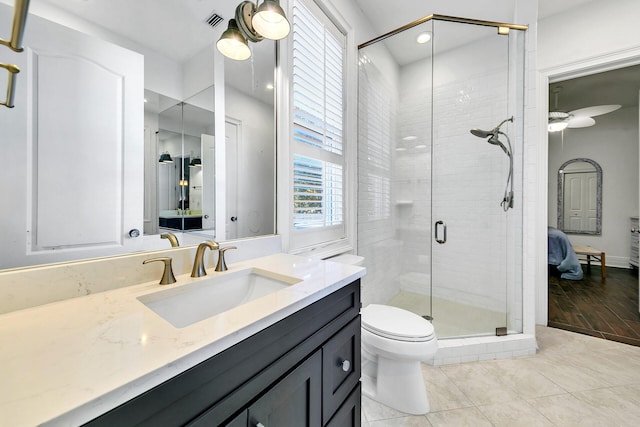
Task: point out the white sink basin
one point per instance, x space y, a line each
184 305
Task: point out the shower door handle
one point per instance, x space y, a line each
444 232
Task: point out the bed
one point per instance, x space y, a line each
562 256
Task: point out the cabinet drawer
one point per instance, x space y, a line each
340 367
349 414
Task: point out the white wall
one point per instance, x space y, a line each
594 37
613 144
377 133
594 29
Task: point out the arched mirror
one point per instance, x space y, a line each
580 197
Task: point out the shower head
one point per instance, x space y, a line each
493 135
481 133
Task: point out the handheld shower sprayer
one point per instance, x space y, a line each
493 135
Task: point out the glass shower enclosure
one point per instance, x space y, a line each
440 209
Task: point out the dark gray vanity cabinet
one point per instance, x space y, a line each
301 371
294 401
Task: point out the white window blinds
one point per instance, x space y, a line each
318 126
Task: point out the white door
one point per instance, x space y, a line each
231 152
580 206
78 126
208 181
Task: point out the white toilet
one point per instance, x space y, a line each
394 342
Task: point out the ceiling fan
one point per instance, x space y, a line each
580 118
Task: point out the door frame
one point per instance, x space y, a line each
232 207
592 65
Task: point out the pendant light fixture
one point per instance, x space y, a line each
233 44
270 21
253 23
166 157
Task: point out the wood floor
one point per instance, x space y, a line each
602 308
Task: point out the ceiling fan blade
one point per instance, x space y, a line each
581 122
596 110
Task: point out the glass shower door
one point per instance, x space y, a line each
469 176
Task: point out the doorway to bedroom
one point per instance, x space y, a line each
595 211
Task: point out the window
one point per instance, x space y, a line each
318 127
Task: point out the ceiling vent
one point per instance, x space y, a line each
213 19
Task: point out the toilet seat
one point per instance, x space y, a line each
396 324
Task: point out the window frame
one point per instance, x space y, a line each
330 240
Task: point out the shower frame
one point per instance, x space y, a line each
502 29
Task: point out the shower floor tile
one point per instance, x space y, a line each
450 318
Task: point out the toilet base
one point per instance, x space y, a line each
397 384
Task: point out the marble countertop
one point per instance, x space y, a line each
67 362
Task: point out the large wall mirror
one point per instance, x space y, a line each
191 173
580 197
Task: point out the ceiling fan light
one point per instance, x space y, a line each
270 20
557 126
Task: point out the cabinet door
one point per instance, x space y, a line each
349 414
340 367
239 421
294 401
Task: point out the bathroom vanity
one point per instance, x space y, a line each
302 371
290 357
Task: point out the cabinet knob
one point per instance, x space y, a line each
345 365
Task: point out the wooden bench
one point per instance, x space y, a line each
590 252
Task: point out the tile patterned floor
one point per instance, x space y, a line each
573 380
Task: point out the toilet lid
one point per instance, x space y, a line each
393 322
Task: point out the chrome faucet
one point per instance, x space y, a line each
172 238
198 262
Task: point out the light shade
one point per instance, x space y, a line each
166 158
232 43
557 126
270 21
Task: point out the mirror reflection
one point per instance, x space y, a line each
580 197
98 63
185 167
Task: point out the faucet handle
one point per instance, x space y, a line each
222 265
167 275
